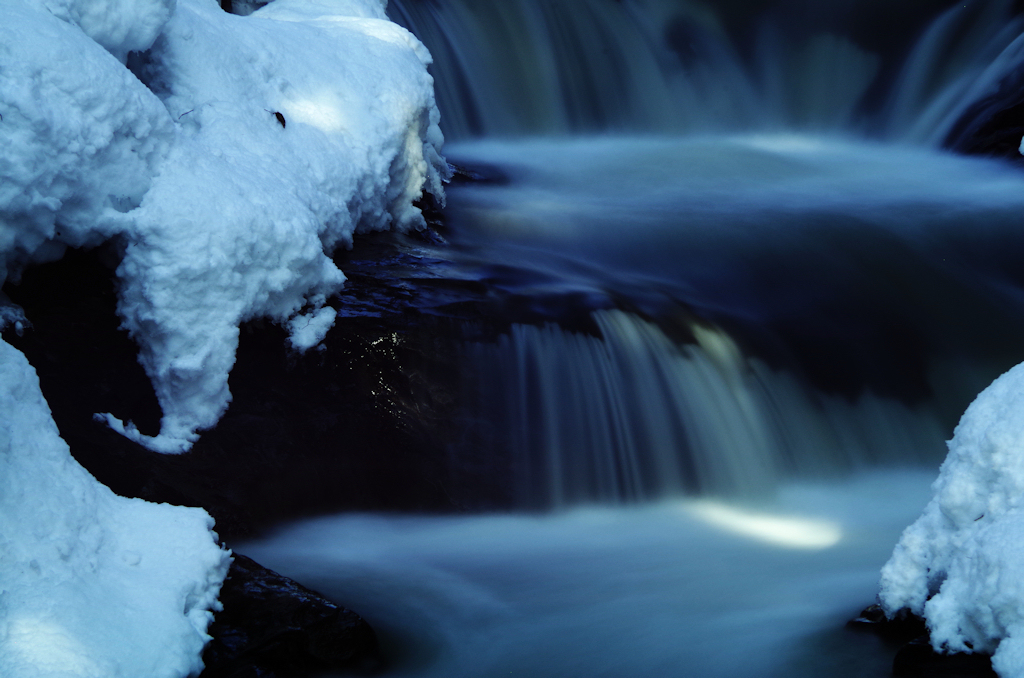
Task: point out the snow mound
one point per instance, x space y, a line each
227 157
961 564
120 26
92 585
232 159
237 223
82 138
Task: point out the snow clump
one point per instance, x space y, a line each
120 26
961 564
226 157
230 161
92 585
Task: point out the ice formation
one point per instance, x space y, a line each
961 564
231 159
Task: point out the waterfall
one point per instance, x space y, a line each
520 67
771 169
762 308
737 290
631 416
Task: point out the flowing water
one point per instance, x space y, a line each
746 295
679 588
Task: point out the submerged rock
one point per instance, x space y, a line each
272 626
915 657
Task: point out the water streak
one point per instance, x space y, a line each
632 416
522 67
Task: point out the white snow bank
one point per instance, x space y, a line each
274 137
120 26
82 138
237 223
966 550
92 585
254 148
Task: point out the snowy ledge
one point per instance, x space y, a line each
961 564
86 573
228 156
231 158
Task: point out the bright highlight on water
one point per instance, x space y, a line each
797 533
677 588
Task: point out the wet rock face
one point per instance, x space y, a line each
917 659
914 657
369 422
901 629
273 627
994 125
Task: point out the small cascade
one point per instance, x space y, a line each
632 416
662 152
815 291
965 55
520 66
527 67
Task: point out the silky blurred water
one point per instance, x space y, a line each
717 217
677 588
737 284
754 236
762 306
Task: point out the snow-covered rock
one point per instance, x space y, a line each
92 585
82 138
227 156
238 221
120 26
256 146
961 564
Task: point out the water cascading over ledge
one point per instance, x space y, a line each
905 72
632 416
761 165
710 293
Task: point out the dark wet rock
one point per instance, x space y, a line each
917 659
914 657
371 421
478 173
243 7
273 627
902 628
